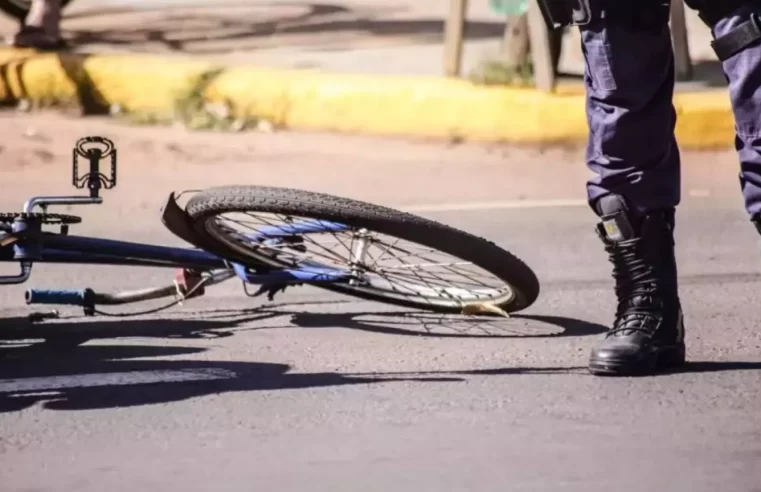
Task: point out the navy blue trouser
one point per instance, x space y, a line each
630 83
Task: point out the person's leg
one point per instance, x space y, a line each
743 70
633 153
630 83
41 27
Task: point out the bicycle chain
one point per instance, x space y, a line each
52 219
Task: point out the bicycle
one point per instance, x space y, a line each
280 252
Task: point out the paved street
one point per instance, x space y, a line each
318 392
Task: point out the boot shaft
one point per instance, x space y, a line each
641 249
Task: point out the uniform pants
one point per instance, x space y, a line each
629 80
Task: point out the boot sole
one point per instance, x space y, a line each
654 362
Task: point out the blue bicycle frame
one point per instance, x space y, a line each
66 249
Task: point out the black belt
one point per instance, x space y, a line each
739 38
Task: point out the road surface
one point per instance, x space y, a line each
318 392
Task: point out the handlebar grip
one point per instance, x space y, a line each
83 297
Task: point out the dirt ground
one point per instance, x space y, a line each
37 148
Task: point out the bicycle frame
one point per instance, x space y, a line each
59 248
83 250
65 249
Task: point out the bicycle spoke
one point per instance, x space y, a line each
406 269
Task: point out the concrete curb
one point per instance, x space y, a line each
303 99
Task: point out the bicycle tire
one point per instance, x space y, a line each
354 213
19 9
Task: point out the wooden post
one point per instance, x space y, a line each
682 61
453 37
541 51
515 43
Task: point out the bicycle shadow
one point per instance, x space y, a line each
435 325
221 323
68 334
106 376
62 374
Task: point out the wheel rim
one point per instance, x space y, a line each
377 261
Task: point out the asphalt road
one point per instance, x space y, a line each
318 392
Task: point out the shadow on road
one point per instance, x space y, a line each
61 335
224 323
417 323
706 367
102 376
422 324
218 323
62 376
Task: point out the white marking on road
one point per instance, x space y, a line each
699 193
498 205
111 379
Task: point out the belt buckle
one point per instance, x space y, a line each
564 13
582 15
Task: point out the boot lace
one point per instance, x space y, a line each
640 302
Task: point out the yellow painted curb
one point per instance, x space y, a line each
301 99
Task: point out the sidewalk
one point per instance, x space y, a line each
401 40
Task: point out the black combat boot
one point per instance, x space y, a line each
648 332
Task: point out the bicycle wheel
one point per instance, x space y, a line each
244 218
20 8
